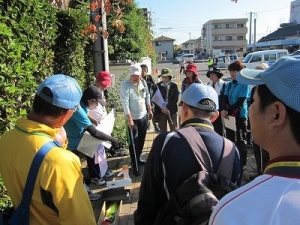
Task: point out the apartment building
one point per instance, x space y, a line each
222 36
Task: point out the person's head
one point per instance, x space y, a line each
199 101
191 71
135 73
144 70
234 68
166 75
103 80
91 97
214 56
215 75
276 107
57 97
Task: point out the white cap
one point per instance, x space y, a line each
135 69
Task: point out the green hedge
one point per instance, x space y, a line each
27 33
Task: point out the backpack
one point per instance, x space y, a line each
20 216
194 200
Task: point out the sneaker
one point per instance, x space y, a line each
157 129
109 173
149 127
97 181
94 197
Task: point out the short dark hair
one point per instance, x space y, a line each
144 66
203 113
44 108
266 97
236 66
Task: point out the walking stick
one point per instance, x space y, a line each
134 151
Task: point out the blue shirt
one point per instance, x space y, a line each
75 126
236 91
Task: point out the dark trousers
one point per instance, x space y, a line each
239 138
219 125
139 134
261 157
181 69
163 119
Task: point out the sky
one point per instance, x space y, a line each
183 19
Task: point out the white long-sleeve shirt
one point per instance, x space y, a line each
134 98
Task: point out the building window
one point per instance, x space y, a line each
215 38
240 25
217 26
239 38
228 38
158 43
229 26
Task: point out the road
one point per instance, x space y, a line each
202 69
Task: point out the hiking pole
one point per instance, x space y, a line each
134 151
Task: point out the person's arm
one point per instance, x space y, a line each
238 104
100 135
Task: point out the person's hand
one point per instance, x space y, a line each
150 115
165 110
223 114
130 124
61 136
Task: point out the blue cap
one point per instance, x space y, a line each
66 91
282 78
197 92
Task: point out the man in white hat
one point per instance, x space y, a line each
135 99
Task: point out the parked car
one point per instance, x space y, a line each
188 57
295 53
221 62
267 56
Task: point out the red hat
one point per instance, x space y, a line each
191 68
105 78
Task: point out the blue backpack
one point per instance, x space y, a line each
20 216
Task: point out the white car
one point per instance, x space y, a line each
188 57
221 62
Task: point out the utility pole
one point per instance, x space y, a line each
190 44
99 49
250 28
254 38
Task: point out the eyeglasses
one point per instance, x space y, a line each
75 108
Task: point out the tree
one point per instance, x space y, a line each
136 40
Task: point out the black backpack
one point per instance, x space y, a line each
194 200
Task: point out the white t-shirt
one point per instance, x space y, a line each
267 200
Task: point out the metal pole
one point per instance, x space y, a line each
254 39
190 44
134 150
250 28
99 48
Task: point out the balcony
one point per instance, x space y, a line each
232 43
229 31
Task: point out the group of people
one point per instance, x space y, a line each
274 114
60 113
